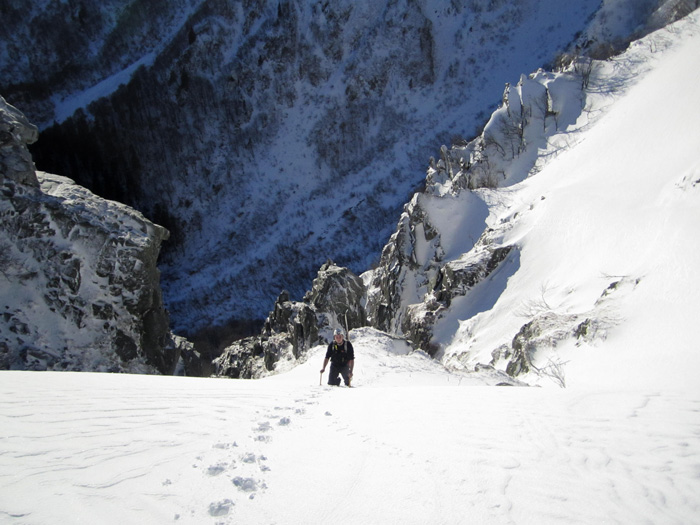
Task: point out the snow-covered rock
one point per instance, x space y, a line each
16 133
442 247
79 283
339 293
335 301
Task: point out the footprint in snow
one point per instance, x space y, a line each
215 470
220 508
264 426
225 446
248 485
248 458
251 458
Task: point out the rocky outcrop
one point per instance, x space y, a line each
338 293
79 283
415 284
455 279
442 248
536 107
547 329
292 328
16 133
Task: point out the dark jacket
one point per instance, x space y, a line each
339 354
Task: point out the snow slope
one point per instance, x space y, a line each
412 443
607 230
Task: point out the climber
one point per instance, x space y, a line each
342 357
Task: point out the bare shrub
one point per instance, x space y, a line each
554 370
583 67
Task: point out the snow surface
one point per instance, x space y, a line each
412 443
66 107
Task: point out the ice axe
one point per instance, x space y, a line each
347 331
347 338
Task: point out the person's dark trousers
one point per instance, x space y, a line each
336 370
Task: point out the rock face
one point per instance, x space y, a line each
16 132
334 301
338 293
417 280
79 283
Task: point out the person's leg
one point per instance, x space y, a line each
333 378
345 372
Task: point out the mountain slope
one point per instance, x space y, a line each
597 243
269 136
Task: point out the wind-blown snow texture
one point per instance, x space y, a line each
412 444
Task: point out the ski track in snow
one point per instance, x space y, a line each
410 445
